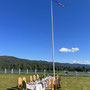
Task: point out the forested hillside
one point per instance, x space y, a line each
10 62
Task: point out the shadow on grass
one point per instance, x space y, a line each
13 88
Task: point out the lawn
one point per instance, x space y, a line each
9 81
75 83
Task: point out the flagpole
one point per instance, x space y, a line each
52 39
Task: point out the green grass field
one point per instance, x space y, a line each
75 83
9 82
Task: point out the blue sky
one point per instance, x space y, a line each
25 29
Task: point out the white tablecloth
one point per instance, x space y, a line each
40 85
35 87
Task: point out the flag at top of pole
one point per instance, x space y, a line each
53 34
59 3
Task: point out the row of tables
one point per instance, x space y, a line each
39 84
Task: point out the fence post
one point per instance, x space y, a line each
27 71
12 71
44 71
76 73
5 71
19 71
35 71
88 73
64 72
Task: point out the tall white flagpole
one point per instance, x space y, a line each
52 39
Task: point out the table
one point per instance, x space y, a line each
39 85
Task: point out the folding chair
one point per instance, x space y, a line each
50 85
57 77
59 84
37 76
34 77
56 83
19 82
24 79
53 83
31 78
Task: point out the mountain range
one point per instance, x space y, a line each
13 60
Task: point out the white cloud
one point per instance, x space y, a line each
86 62
76 61
81 62
62 50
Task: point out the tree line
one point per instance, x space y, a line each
48 67
10 62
